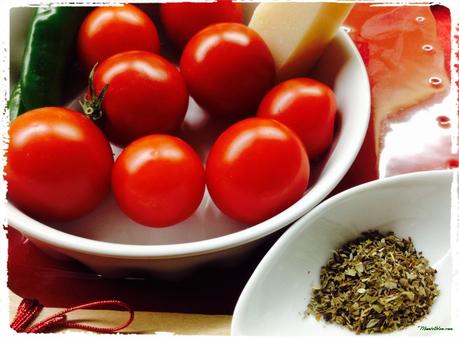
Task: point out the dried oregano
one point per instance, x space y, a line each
375 283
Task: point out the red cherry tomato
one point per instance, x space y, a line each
306 106
58 164
183 20
146 94
158 180
228 69
107 31
256 169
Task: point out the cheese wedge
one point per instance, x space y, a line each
297 33
247 10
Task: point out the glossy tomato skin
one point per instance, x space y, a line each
107 31
256 169
146 95
58 164
228 69
183 20
306 106
158 180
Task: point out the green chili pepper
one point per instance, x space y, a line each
15 104
47 56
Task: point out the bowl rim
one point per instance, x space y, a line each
41 232
305 222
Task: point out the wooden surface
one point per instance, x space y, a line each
144 322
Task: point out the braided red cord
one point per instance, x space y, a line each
29 309
48 323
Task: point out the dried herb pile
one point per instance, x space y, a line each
375 283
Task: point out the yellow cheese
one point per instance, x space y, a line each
297 33
247 10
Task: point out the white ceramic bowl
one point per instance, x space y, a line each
413 205
110 243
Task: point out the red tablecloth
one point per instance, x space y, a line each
211 290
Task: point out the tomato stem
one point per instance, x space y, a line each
92 105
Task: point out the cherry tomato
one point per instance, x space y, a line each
256 169
228 69
146 94
58 164
107 31
158 180
183 20
306 106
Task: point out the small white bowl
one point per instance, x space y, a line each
413 205
111 244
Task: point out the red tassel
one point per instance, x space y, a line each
29 309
